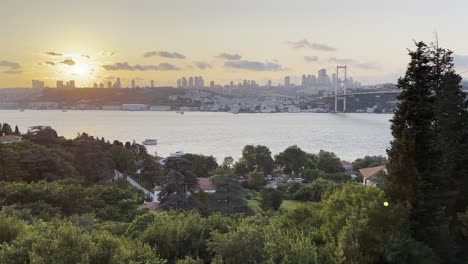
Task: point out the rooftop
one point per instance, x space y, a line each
372 171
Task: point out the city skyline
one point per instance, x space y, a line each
221 42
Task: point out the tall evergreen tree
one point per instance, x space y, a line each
6 129
17 132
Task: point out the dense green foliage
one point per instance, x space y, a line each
428 158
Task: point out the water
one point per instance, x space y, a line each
350 136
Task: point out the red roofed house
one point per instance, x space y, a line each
9 139
369 175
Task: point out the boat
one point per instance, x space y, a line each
22 110
64 110
178 154
180 112
149 141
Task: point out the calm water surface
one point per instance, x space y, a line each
350 136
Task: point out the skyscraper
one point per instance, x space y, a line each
117 84
152 83
190 82
179 83
287 81
212 84
71 84
101 86
305 82
202 82
269 83
95 86
60 85
133 84
184 82
109 84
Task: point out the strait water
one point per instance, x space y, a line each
350 136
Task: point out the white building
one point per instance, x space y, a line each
134 107
160 108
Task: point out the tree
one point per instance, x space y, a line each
6 129
428 156
91 161
42 135
271 199
229 192
369 161
201 165
328 162
292 160
256 180
17 132
228 162
257 158
151 172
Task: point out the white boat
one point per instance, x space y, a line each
180 112
178 154
149 141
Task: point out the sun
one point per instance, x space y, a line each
79 69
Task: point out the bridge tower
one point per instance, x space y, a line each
340 86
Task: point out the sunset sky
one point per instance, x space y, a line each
96 41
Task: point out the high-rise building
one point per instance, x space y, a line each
287 81
179 83
71 84
305 81
269 83
184 82
36 84
117 84
152 84
109 84
212 84
95 86
101 86
202 82
60 85
231 84
323 78
190 82
133 84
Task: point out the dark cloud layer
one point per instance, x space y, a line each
304 43
10 64
253 65
124 66
341 60
227 56
53 53
68 62
164 54
311 58
202 65
50 62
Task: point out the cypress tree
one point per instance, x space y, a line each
6 129
17 132
410 151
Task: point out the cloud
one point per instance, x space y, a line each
304 43
367 66
164 54
50 63
13 72
10 64
68 62
253 65
109 77
310 58
202 65
53 53
227 56
341 60
139 79
86 56
124 66
460 61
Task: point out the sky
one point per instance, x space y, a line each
97 41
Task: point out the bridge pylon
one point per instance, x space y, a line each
340 85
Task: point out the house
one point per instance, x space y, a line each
153 206
347 166
9 139
203 184
369 175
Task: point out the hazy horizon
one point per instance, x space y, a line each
97 41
